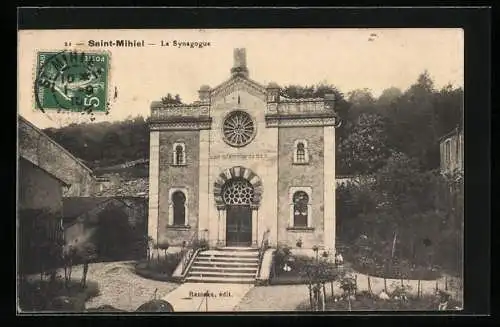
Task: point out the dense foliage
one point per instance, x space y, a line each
409 122
41 242
402 222
105 144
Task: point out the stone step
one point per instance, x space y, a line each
221 274
225 259
242 254
230 280
225 264
235 269
238 249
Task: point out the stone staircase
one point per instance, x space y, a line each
225 265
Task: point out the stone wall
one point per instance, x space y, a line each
36 147
83 229
310 175
38 189
171 176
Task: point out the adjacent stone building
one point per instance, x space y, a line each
42 151
242 161
452 151
45 172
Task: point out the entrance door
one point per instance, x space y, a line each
239 225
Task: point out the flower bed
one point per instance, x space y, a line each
377 268
298 271
159 269
37 295
365 301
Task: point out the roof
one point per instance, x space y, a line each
138 187
236 79
454 131
60 147
24 160
74 207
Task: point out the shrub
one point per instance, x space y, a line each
348 284
159 270
201 244
155 306
281 256
56 296
41 241
368 302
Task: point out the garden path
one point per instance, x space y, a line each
119 286
222 297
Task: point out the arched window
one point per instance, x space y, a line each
300 201
179 211
300 209
301 155
301 152
179 154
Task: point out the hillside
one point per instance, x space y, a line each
409 122
105 144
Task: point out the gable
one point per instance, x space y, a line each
239 83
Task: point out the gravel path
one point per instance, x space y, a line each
119 286
273 298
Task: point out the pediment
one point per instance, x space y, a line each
239 83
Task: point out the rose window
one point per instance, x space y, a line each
238 129
238 192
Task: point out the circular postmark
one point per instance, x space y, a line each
71 81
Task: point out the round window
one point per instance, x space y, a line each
238 129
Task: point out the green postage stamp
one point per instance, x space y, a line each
72 81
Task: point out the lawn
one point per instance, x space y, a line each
160 269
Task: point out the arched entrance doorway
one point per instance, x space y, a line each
237 195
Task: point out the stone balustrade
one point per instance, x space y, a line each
160 111
315 106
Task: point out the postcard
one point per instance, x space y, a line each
240 170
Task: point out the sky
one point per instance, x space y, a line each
347 58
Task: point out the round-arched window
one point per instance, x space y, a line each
300 209
238 129
179 199
238 192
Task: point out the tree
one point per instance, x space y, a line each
388 97
364 149
169 99
362 102
318 91
88 253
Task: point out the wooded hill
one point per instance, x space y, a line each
410 122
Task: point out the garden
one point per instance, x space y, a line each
336 287
159 263
47 272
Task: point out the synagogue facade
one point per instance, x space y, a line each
243 162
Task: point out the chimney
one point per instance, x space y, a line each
240 63
329 99
204 93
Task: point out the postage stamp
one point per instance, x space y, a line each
72 81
